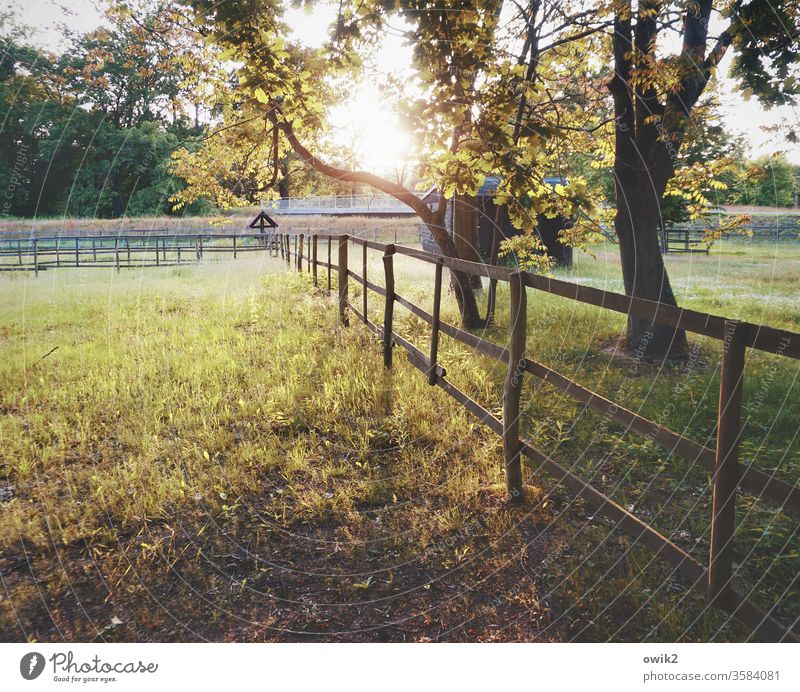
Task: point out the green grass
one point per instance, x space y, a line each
209 454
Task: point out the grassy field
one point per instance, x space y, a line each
208 454
397 229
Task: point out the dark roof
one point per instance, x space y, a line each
491 182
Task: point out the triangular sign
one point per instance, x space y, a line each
262 221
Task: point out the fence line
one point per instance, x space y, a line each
728 474
126 251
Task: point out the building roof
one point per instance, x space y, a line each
491 182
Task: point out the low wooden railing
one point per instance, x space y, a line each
729 475
126 250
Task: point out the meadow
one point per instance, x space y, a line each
204 452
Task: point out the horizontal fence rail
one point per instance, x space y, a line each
729 476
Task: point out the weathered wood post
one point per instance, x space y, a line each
19 250
330 242
388 309
36 256
726 472
343 279
234 247
197 248
116 252
128 248
300 254
158 259
437 303
77 252
513 386
314 257
94 250
364 280
308 253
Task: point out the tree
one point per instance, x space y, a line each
466 108
517 99
89 131
654 98
772 182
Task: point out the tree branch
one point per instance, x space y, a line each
429 218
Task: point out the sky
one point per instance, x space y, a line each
367 120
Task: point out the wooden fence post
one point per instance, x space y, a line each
94 249
364 281
300 254
19 250
388 310
77 252
314 257
128 249
343 279
330 242
437 302
513 386
308 253
36 256
726 473
116 251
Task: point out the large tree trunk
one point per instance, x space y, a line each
467 304
647 138
643 270
465 233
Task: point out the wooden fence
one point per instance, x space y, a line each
683 239
729 476
126 250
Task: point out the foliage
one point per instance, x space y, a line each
88 132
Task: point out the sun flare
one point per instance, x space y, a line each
373 131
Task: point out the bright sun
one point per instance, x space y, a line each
373 132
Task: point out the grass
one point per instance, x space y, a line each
208 454
396 229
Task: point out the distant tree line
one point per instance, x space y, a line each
91 131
